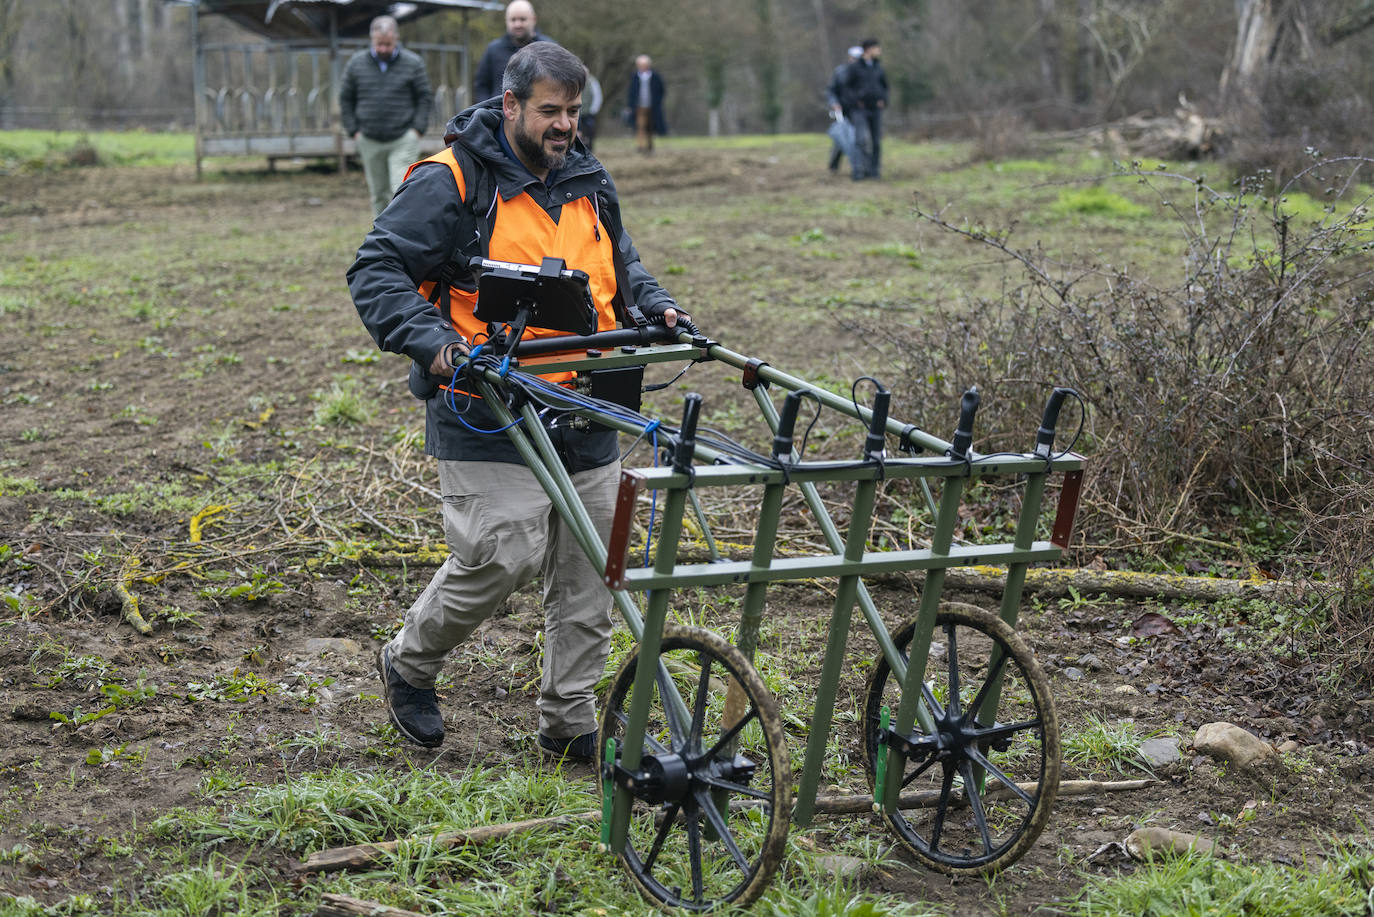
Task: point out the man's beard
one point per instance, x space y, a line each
532 148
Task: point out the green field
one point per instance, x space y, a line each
193 415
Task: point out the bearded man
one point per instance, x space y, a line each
514 185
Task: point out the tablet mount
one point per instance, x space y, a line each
524 296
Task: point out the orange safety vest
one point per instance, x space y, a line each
525 233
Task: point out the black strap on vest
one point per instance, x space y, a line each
624 304
486 221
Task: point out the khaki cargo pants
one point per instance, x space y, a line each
502 531
385 163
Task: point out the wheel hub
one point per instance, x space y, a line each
660 778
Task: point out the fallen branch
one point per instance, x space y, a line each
982 578
1058 581
857 805
333 905
361 856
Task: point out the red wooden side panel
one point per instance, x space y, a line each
1068 508
618 547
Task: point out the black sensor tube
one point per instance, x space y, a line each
787 422
687 434
963 435
874 442
1044 437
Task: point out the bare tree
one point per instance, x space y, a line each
1272 34
1121 34
12 14
1051 48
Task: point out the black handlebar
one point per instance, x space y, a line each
687 434
1044 437
963 434
602 340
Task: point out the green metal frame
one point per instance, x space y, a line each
849 559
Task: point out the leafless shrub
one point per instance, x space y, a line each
1000 134
1338 513
1244 387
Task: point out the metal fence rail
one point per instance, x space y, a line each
280 99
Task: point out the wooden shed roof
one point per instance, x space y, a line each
294 20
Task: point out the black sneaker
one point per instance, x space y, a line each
580 748
414 711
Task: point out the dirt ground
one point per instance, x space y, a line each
82 373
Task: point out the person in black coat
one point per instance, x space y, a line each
520 31
644 104
866 86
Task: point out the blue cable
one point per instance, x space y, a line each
453 405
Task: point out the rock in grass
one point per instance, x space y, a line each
1229 742
339 646
1144 843
845 867
1159 751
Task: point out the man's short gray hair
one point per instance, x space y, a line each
543 60
383 25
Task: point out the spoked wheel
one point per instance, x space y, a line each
976 792
712 795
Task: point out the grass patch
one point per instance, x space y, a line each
1200 885
1097 201
30 150
556 871
1099 745
343 405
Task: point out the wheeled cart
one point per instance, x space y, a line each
958 727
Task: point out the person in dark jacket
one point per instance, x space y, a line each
644 104
385 101
866 86
513 161
520 31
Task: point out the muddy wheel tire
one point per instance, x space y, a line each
1012 754
720 838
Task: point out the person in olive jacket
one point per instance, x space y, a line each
514 185
385 101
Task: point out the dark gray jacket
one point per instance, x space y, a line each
865 84
383 106
491 69
427 225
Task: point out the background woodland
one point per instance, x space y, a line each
1251 75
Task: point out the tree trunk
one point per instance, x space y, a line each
1270 34
768 65
11 21
1051 47
1083 55
823 33
1256 28
125 40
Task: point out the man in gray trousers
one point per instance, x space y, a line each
385 101
514 185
